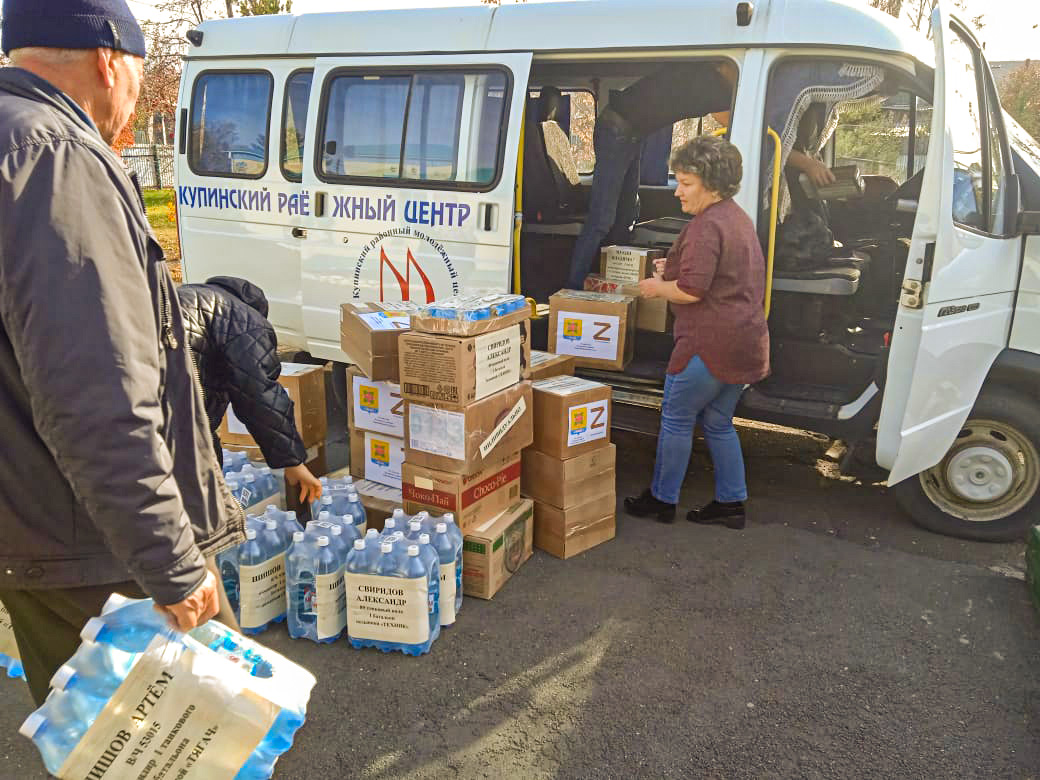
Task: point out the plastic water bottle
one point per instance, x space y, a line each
248 493
456 535
432 562
95 669
450 601
323 504
292 523
224 642
357 510
12 665
299 584
275 536
130 628
267 479
389 528
330 598
415 529
414 568
53 736
264 554
340 495
337 543
234 461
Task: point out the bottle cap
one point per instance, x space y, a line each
422 515
442 528
398 513
352 495
32 725
448 517
371 533
413 550
92 629
249 478
272 510
290 515
347 520
414 525
250 534
297 537
334 529
359 544
62 676
271 524
326 500
424 538
390 523
386 547
323 480
323 541
323 515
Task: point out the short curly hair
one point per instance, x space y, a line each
715 160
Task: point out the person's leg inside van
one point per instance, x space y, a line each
615 154
627 212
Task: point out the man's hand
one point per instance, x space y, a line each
819 174
195 610
310 486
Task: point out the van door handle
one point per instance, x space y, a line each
488 216
299 232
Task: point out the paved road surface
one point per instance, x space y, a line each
830 639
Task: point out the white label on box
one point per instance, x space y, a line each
587 422
295 369
388 609
330 604
588 335
378 492
378 407
624 265
565 385
8 645
262 589
423 483
383 458
447 600
497 356
437 431
503 427
379 320
179 713
538 357
259 507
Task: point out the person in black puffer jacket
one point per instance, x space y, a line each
236 353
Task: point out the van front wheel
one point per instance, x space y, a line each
987 487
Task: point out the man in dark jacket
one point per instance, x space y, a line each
108 480
236 352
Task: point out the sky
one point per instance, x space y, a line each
1011 31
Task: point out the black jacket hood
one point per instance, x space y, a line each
247 292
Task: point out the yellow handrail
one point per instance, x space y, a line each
518 216
774 198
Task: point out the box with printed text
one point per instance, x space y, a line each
462 442
571 416
628 264
597 329
472 498
373 405
493 551
376 457
369 334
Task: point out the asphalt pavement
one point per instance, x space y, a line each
830 639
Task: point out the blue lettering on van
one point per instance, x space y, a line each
297 204
436 213
364 208
224 198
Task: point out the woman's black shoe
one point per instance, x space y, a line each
730 514
648 506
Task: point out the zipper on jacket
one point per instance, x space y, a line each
165 317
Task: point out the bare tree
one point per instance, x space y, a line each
890 7
263 7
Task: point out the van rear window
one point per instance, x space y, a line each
230 114
437 126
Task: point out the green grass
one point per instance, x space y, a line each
156 205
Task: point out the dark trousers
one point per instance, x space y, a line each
47 624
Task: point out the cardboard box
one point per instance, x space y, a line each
462 442
567 532
374 405
571 416
492 552
627 264
376 457
568 483
305 386
317 464
369 334
545 365
598 329
424 323
455 371
652 314
472 498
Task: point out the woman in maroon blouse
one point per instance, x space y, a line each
714 278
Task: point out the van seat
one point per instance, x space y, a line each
838 276
551 185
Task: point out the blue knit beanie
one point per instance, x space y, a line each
71 24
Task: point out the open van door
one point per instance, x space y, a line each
411 179
959 287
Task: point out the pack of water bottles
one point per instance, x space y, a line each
254 485
9 658
471 315
139 699
405 584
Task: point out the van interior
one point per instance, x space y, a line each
839 255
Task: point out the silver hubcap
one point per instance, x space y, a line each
990 472
980 474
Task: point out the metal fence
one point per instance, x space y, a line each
153 164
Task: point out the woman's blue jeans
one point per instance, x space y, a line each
691 396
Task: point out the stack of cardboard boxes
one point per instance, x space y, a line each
569 469
468 415
305 386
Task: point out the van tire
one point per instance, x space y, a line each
1010 423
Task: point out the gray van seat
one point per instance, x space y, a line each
840 276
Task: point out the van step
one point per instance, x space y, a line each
800 403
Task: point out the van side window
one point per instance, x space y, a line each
294 123
964 118
230 113
427 127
